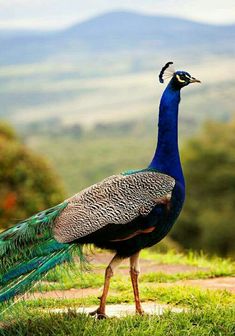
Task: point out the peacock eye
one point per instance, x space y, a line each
180 78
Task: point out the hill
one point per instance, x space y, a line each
117 31
105 70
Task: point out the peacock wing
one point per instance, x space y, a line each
118 199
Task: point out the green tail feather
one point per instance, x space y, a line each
28 251
18 285
38 255
29 230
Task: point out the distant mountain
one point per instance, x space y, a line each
105 70
117 32
154 31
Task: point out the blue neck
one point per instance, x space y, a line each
166 158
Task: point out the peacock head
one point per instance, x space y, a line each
179 79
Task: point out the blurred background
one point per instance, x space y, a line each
79 97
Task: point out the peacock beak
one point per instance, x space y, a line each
194 80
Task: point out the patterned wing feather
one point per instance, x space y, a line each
116 200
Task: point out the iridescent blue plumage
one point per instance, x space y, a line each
166 158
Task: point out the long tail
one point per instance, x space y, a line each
28 251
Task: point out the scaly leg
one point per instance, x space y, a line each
100 312
134 272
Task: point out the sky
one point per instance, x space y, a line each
58 14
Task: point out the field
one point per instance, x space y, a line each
81 161
42 92
202 287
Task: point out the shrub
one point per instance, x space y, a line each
27 183
208 218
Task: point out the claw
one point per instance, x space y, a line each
141 312
101 316
93 313
98 314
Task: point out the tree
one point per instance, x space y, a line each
27 183
208 218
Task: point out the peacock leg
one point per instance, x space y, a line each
100 312
134 272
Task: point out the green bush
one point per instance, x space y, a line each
27 183
208 218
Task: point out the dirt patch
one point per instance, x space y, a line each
122 310
227 283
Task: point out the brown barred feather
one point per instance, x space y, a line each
116 200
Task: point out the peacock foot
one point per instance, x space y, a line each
99 314
140 312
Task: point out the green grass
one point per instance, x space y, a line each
208 312
216 321
205 312
192 297
191 258
72 277
217 266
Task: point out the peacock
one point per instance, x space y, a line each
124 213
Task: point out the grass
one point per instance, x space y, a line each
208 312
214 321
191 297
65 278
70 280
191 258
218 266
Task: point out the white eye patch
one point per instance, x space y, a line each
179 79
